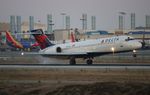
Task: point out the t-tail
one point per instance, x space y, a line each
41 38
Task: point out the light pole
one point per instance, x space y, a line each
121 20
63 14
49 23
39 24
84 21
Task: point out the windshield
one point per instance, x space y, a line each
129 39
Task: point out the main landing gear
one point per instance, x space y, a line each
89 61
72 61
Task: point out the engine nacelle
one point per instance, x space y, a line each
58 49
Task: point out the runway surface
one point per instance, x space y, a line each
15 57
78 66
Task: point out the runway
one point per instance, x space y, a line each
143 56
78 66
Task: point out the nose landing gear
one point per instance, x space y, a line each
134 53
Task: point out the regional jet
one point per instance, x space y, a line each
87 49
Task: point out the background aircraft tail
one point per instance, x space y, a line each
11 41
41 38
72 37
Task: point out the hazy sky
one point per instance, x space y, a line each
106 11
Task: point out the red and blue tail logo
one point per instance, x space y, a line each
12 42
41 38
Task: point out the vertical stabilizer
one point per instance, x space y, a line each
72 37
11 41
41 38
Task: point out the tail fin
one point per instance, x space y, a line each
11 41
35 44
41 38
72 37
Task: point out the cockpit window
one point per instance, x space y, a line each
129 39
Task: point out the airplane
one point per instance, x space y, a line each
15 44
87 49
12 42
72 37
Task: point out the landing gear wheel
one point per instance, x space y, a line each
89 61
72 61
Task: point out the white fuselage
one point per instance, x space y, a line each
102 45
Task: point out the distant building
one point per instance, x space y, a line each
24 26
61 34
4 26
98 32
140 34
119 32
93 34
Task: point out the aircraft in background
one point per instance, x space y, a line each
72 37
87 49
12 42
20 45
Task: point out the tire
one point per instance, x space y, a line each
89 61
72 61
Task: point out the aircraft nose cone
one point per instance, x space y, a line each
135 45
138 45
